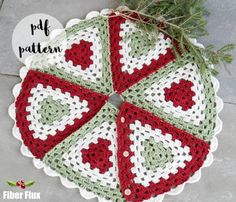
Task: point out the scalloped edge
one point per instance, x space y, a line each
84 193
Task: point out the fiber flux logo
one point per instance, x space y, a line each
20 195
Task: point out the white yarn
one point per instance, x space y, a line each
156 94
129 63
94 71
143 175
76 108
89 195
73 157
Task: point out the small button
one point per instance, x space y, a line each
126 154
122 119
127 192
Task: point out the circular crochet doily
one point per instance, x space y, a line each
158 140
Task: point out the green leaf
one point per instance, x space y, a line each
214 72
11 183
228 58
209 47
29 183
226 48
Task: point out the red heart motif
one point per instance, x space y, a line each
80 54
97 155
180 94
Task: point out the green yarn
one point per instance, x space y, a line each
52 110
54 160
103 84
140 42
155 154
205 130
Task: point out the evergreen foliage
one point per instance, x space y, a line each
182 20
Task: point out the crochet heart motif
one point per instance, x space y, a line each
98 155
180 94
159 138
80 54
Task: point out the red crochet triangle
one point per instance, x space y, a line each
37 146
123 80
133 191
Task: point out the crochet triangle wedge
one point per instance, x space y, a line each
134 53
181 95
88 157
49 109
84 56
179 154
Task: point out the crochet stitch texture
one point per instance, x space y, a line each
159 138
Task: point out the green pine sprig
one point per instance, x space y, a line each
181 20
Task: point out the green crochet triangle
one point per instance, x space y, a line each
52 110
103 84
136 95
140 43
156 155
54 158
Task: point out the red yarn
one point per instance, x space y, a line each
198 150
97 155
37 146
180 94
123 80
80 54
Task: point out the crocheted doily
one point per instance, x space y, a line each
155 143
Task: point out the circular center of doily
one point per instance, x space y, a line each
116 100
